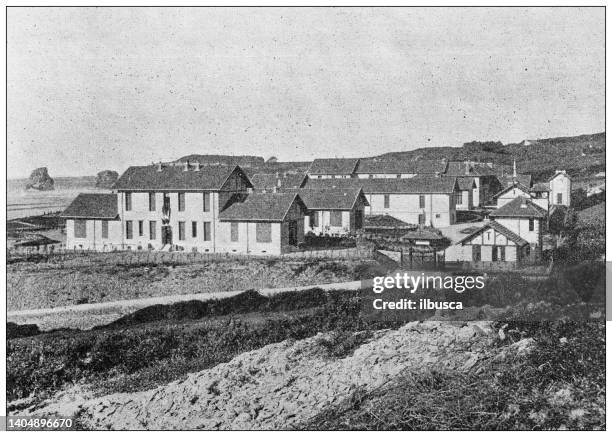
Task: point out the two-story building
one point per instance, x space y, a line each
483 175
525 219
560 188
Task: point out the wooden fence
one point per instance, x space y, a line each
76 257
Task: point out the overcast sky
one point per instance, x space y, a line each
94 89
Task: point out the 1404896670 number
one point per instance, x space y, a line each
23 423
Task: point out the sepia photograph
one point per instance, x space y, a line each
305 218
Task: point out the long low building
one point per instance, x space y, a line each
421 201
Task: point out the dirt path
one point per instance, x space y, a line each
86 316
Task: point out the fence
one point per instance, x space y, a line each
77 257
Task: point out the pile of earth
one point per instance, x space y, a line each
283 385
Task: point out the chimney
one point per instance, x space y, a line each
186 166
159 166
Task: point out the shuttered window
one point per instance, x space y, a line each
129 232
206 231
263 232
421 201
128 201
194 229
531 224
181 201
234 232
104 229
335 218
151 201
80 229
387 201
206 201
140 228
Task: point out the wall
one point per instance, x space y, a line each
520 226
439 208
466 204
324 223
512 194
563 185
93 239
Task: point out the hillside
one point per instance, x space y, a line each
580 155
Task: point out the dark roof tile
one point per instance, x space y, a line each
499 228
334 166
519 207
92 205
261 207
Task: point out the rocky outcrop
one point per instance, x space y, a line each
40 180
284 384
106 179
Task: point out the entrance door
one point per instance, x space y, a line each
293 233
358 219
476 253
166 234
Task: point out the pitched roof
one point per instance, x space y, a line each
519 207
498 228
92 205
397 166
560 173
420 185
466 183
510 187
540 186
335 166
268 181
261 207
332 199
458 168
174 177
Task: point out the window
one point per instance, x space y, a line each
181 201
140 228
263 232
314 219
194 229
80 228
335 218
234 232
421 219
104 229
206 231
181 231
437 215
371 176
151 201
498 253
399 176
206 202
531 224
386 200
459 198
319 177
128 230
559 198
152 230
128 201
421 201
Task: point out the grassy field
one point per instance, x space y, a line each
46 285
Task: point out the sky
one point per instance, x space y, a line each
90 89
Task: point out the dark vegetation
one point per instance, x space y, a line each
161 344
561 385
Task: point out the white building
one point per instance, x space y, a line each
560 188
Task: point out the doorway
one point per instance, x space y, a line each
293 233
166 232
